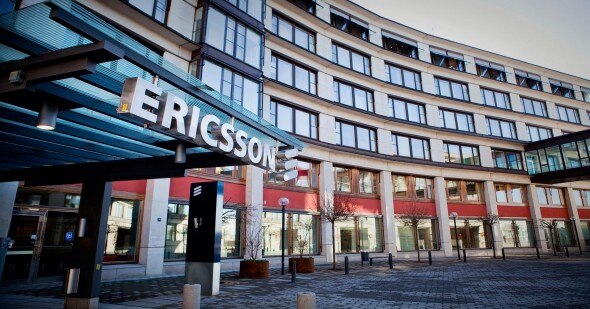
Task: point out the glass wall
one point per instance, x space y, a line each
472 234
427 236
370 234
359 233
559 235
231 233
122 235
301 233
585 232
176 228
517 233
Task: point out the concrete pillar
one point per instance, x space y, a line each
572 208
324 46
556 132
266 107
521 131
327 125
536 217
436 150
323 11
485 155
254 201
432 115
381 104
442 211
492 208
325 86
516 103
551 110
378 68
7 197
475 93
480 124
153 231
387 210
384 142
584 116
326 191
428 82
266 67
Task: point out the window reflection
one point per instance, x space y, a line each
122 226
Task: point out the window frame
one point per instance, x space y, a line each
370 93
354 176
351 24
567 109
509 197
562 89
372 144
439 52
410 181
464 88
398 40
418 81
275 58
495 103
543 104
313 118
538 128
549 196
505 151
473 147
511 124
528 80
443 124
366 58
294 26
421 110
425 146
462 189
482 67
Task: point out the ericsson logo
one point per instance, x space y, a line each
197 191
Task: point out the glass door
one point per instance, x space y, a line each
22 257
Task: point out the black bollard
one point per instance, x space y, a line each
294 271
503 254
429 257
464 256
390 261
371 262
346 265
567 252
538 254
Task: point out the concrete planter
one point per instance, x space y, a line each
304 265
254 269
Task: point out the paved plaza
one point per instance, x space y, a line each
554 282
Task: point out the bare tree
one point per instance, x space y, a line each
552 226
254 237
416 216
334 208
490 219
303 238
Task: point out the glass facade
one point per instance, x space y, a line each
354 136
404 110
359 233
461 154
293 33
122 231
472 234
411 147
447 59
294 120
517 233
427 236
301 234
403 77
399 45
294 75
456 120
353 96
451 89
351 59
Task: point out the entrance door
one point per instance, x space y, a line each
22 257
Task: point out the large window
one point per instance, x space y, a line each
359 233
176 229
303 229
347 23
293 75
351 59
568 114
461 154
464 191
451 89
490 70
350 135
225 171
507 159
447 59
307 176
585 94
528 80
355 180
501 128
538 133
412 187
251 7
582 198
456 120
293 119
160 10
472 233
427 236
510 193
534 107
240 89
403 77
550 196
401 109
233 38
306 5
495 98
412 147
561 88
122 231
353 96
293 33
517 233
400 45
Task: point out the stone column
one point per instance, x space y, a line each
387 210
536 217
492 208
254 202
442 211
153 231
326 191
572 208
7 197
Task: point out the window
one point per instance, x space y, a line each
560 235
510 194
490 70
367 182
464 191
176 229
400 45
350 135
550 196
501 128
356 181
306 5
447 59
347 23
233 38
517 233
293 119
568 114
451 89
585 94
412 187
507 159
351 59
456 120
582 198
528 80
122 226
538 133
412 147
495 98
353 96
409 111
461 154
160 10
228 171
307 176
343 179
359 233
242 90
562 89
403 77
251 7
293 75
472 233
293 33
534 107
302 227
427 236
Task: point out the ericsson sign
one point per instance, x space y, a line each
169 112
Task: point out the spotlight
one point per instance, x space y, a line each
180 153
47 116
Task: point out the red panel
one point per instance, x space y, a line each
297 200
404 207
507 211
468 210
135 186
554 213
180 187
584 213
366 206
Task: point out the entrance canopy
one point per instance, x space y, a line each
60 55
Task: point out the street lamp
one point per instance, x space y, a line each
283 201
576 231
454 215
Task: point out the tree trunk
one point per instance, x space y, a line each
493 240
416 246
333 247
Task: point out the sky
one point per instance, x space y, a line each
551 33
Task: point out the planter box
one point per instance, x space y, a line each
304 265
254 269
